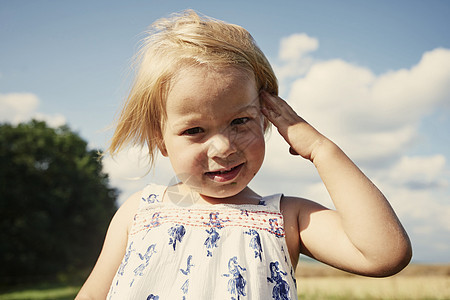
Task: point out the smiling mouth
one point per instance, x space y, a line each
225 175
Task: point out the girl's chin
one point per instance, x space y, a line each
223 195
213 192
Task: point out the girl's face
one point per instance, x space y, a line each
213 134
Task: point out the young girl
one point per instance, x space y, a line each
204 96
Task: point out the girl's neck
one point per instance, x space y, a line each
182 195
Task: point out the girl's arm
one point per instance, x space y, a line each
99 281
363 235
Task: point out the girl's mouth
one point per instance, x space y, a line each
225 175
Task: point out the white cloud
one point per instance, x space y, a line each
409 94
17 107
129 171
418 190
424 213
375 119
294 56
381 114
21 107
294 47
54 120
419 172
278 158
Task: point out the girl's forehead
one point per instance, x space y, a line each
207 73
203 85
213 94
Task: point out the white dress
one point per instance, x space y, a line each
221 251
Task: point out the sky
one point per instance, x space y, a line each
373 76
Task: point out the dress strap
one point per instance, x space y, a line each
152 194
272 202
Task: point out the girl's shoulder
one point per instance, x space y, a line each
299 206
298 216
299 210
126 212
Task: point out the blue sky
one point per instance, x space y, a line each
385 88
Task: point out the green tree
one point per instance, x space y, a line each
55 202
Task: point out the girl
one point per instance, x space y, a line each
204 96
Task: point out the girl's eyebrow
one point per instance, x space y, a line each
251 109
253 105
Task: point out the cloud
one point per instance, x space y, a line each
424 214
409 94
54 120
17 107
377 120
294 47
294 58
418 189
21 107
420 172
364 112
129 170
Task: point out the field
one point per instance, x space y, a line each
42 292
316 281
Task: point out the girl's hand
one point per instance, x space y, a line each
302 138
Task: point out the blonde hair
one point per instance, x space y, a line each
183 40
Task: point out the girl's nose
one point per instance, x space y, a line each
221 145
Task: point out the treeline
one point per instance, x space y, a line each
55 203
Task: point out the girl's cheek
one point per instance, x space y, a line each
194 153
250 135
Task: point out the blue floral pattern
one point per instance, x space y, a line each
185 286
205 252
125 259
215 220
155 222
255 242
281 289
236 283
176 233
274 228
152 198
211 240
145 258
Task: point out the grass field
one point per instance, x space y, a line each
317 282
54 292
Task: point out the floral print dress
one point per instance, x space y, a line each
221 251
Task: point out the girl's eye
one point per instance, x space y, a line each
240 121
193 131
